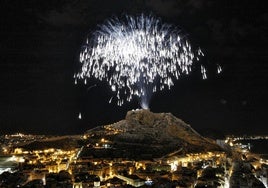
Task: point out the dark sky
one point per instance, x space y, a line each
41 40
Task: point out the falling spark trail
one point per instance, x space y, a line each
90 87
79 115
111 99
203 71
219 69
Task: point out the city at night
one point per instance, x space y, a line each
146 93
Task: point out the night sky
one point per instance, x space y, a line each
39 53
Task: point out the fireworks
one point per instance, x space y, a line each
137 56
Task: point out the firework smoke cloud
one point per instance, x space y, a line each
137 56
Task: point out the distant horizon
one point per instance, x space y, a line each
207 132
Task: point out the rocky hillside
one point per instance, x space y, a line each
143 132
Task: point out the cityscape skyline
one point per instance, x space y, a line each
144 150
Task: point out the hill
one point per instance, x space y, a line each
144 133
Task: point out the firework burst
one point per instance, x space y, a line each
137 56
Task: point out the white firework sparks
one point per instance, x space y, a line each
137 56
219 69
204 72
